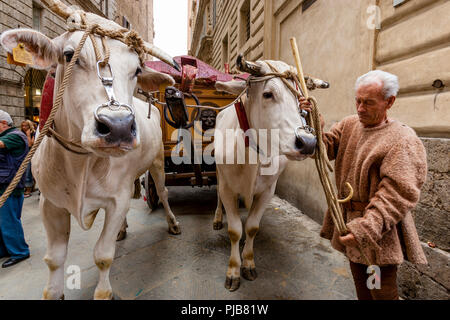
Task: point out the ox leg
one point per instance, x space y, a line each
251 229
218 216
105 247
57 225
159 177
229 199
123 231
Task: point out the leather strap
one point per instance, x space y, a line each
66 144
355 205
243 120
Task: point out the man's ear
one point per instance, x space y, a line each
391 101
152 80
43 50
233 87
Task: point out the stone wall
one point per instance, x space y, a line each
432 216
219 40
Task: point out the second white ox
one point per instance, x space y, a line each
121 144
269 105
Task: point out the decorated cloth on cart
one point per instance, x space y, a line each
206 74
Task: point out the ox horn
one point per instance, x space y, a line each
59 8
247 66
161 55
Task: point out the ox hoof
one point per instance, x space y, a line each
249 273
103 295
218 225
175 230
122 235
232 284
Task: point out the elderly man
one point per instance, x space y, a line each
13 149
385 162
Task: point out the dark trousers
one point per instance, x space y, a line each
388 289
12 239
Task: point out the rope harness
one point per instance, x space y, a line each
131 39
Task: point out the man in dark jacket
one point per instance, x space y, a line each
13 149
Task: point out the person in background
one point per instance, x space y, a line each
13 150
28 128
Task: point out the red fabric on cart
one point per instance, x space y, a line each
46 100
205 71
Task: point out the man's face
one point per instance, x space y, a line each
371 105
3 126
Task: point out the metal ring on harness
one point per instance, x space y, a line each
116 107
305 128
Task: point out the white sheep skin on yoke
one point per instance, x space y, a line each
121 144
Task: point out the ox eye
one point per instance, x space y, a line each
268 95
69 55
138 71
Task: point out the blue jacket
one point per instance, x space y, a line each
9 164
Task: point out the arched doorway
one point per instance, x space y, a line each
34 82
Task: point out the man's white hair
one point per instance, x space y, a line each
388 81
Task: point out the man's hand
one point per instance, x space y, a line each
306 105
349 240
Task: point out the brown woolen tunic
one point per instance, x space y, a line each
386 167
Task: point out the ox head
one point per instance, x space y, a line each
103 131
272 105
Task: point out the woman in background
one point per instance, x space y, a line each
27 127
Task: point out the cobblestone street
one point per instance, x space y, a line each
293 262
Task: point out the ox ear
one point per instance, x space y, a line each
233 87
42 48
152 80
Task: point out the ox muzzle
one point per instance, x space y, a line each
115 121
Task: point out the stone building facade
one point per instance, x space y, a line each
339 41
20 87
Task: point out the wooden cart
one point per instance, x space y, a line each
195 175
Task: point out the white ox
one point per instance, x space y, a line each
269 105
121 146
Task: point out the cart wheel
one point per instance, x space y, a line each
150 191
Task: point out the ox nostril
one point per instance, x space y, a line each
299 143
306 143
103 129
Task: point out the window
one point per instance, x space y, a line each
245 22
225 50
107 8
214 11
37 15
306 4
125 23
396 3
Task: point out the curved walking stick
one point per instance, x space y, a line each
350 196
